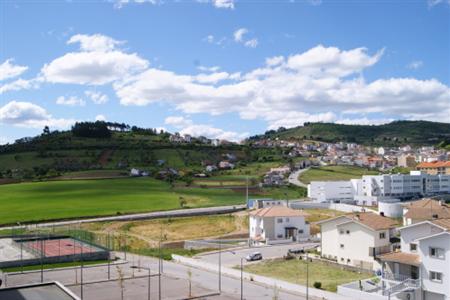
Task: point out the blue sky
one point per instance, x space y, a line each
222 68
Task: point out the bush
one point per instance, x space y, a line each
317 285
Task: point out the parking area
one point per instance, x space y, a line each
233 257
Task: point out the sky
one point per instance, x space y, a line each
221 68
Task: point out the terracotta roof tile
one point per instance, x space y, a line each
401 257
426 209
436 164
445 223
372 220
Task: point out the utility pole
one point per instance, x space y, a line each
149 282
307 277
246 191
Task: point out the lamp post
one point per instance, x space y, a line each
220 266
242 278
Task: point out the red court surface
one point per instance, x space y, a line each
60 247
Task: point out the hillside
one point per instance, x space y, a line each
392 134
54 154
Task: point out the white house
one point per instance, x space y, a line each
356 239
425 209
423 261
278 224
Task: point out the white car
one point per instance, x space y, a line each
254 256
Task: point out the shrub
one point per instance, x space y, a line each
317 285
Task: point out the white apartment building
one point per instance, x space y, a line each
278 224
331 191
371 188
356 239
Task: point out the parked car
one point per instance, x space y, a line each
296 251
254 256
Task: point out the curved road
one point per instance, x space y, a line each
293 178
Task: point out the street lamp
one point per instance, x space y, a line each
242 274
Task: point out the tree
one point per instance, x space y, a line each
46 131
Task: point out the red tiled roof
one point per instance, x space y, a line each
401 257
436 164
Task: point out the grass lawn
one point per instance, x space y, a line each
329 173
295 271
39 201
53 266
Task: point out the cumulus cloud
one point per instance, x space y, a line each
100 118
70 101
208 69
20 84
98 62
26 114
227 4
320 84
432 3
122 3
240 37
97 97
9 70
187 126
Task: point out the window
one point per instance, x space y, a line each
279 220
348 260
382 235
437 253
300 231
435 276
342 246
341 231
279 236
287 219
342 259
348 231
413 247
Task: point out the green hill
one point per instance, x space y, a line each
392 134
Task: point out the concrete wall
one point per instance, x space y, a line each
336 206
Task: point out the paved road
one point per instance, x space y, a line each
232 258
293 178
145 216
175 282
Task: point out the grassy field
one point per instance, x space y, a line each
40 201
51 200
295 271
329 173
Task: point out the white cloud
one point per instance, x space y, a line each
228 4
187 126
95 42
240 37
122 3
97 97
414 65
20 84
239 34
274 61
5 140
321 84
70 101
208 69
178 121
98 62
251 43
100 118
26 114
9 70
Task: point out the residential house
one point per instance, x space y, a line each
422 266
225 165
425 209
274 179
355 239
435 168
406 161
278 224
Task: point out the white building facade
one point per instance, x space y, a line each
372 188
278 224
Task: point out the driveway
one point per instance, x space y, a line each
293 178
232 257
